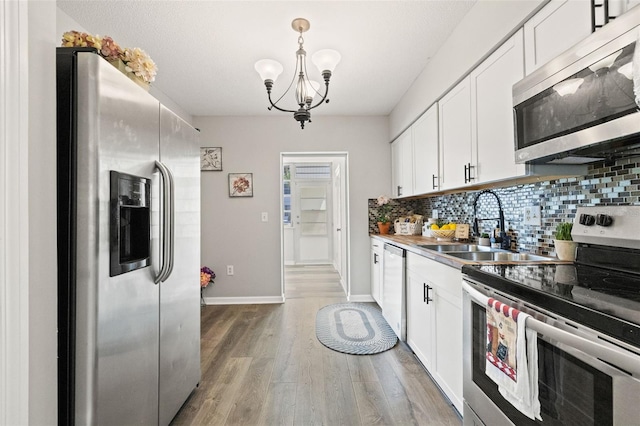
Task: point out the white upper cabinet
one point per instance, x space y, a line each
455 137
402 165
555 28
492 114
425 152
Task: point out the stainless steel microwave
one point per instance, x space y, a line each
584 105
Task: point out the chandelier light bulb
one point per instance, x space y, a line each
313 90
268 69
326 59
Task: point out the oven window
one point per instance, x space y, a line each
570 391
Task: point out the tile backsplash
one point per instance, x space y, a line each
606 183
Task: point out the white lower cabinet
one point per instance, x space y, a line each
376 270
434 322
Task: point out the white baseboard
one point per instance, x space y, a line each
361 298
260 300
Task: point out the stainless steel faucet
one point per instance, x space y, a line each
505 241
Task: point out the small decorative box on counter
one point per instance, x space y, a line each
409 225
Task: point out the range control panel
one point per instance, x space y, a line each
617 226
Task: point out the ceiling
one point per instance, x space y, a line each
205 50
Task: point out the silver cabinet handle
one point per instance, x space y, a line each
167 222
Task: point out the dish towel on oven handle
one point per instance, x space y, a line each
512 357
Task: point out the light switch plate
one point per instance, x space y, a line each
532 215
265 216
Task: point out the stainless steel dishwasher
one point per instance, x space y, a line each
393 289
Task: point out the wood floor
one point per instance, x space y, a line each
312 281
263 365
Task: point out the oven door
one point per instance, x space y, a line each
574 387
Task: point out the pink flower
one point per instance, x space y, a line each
110 49
204 279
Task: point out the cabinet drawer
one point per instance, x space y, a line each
443 277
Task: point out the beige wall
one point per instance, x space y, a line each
232 231
42 218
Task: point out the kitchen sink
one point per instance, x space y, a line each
457 248
499 256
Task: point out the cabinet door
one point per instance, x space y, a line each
376 271
420 319
555 28
425 152
492 113
396 167
455 135
447 368
402 165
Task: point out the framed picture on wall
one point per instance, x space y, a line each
211 159
240 184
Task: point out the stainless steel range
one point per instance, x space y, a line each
587 315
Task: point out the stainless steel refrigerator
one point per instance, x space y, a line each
128 249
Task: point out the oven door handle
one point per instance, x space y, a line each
615 357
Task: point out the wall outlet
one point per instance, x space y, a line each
229 269
532 215
434 214
265 216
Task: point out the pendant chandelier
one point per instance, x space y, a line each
306 89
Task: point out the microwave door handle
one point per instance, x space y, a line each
164 219
617 358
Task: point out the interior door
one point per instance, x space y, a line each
337 220
313 222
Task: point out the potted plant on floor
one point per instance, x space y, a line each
565 246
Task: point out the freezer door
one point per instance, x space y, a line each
116 322
180 293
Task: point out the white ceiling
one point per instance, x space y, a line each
205 50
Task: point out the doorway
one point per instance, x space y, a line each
314 232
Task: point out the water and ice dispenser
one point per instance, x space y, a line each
130 223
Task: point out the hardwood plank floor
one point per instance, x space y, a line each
263 365
312 281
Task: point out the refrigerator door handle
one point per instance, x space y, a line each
172 228
166 221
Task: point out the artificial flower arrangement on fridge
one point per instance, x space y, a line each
135 63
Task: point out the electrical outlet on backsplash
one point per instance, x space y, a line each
606 183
